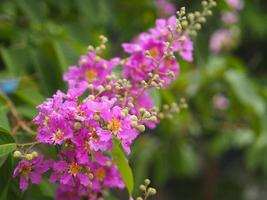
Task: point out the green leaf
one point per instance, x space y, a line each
245 91
30 96
4 124
6 175
123 166
7 143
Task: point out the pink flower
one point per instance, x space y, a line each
92 69
69 171
235 4
229 18
31 171
220 102
221 40
56 119
165 7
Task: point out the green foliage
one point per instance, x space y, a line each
123 166
40 39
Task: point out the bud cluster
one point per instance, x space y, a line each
146 190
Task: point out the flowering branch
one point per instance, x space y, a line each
100 108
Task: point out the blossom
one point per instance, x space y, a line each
221 40
92 69
229 18
235 4
55 119
68 171
31 171
220 102
165 7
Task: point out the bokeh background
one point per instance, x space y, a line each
214 150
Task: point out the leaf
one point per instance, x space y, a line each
30 96
245 91
5 174
7 143
4 124
123 166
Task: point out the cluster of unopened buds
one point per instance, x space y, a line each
100 108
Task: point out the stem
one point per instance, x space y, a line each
20 123
28 144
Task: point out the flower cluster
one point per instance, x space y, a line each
225 38
100 108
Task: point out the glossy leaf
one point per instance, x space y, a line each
123 166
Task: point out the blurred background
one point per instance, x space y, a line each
214 150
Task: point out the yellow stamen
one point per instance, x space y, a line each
114 125
154 52
58 135
100 174
74 169
90 74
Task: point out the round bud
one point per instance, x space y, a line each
90 176
184 23
209 12
198 26
134 117
77 126
91 97
130 105
108 87
90 87
191 16
17 154
139 198
204 3
29 156
152 191
153 118
142 110
90 48
141 128
100 88
146 114
97 117
134 124
147 181
142 188
34 154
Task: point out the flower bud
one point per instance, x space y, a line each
134 117
29 156
17 154
152 191
142 188
34 154
108 87
141 128
134 124
77 126
147 181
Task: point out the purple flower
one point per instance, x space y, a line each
92 69
165 7
229 18
31 171
235 4
221 40
68 171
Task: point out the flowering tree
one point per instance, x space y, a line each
108 103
